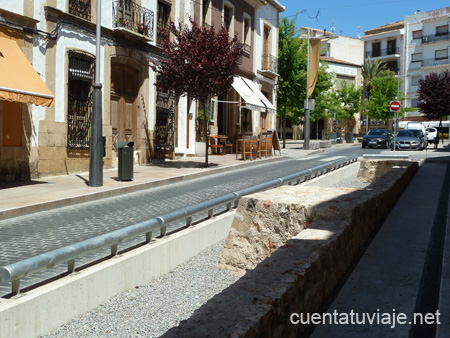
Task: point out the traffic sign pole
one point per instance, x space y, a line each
394 106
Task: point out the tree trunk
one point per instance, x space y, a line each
283 121
205 124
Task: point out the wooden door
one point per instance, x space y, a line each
124 88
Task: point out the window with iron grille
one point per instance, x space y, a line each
80 90
81 8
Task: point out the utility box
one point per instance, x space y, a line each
126 150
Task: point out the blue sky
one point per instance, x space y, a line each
347 15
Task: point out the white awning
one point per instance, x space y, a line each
252 102
261 96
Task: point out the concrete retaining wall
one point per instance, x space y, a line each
46 308
301 274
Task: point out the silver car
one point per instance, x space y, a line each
407 139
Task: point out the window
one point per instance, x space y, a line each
441 30
392 66
206 16
414 103
228 18
81 78
376 49
247 33
441 54
417 34
266 56
416 57
80 8
391 47
163 22
415 80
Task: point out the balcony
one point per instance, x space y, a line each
128 15
269 64
435 37
80 8
383 52
435 62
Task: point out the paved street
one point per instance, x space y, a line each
29 235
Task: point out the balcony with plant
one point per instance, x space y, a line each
131 16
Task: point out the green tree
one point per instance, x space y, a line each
320 94
347 101
290 65
383 91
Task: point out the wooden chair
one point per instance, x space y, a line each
265 145
214 147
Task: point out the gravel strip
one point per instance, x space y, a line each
152 309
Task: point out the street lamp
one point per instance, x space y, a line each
96 142
316 59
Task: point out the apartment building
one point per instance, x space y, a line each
426 50
58 38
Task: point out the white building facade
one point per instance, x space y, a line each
427 43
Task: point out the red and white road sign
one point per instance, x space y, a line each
395 106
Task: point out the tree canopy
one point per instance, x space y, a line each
383 90
345 101
292 68
290 59
198 61
434 95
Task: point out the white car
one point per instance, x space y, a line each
432 133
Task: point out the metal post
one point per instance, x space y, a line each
306 138
96 142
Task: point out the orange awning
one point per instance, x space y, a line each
19 82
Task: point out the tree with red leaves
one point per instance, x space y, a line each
199 62
434 95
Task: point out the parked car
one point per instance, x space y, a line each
414 125
377 138
432 133
408 139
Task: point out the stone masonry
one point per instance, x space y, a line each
294 244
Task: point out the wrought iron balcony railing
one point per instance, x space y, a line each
80 8
435 37
383 52
269 63
435 62
131 16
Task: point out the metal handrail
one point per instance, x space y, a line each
12 273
